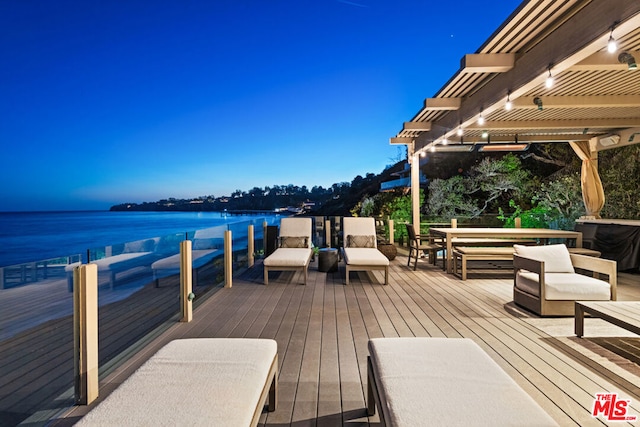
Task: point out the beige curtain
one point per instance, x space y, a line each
592 192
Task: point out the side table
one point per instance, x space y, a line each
328 260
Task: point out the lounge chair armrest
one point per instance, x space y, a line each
530 264
598 265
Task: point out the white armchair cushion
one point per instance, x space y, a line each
364 256
556 257
564 286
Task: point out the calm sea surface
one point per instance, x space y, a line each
34 236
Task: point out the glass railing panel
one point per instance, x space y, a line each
36 338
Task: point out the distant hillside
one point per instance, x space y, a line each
336 200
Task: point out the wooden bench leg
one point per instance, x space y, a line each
579 322
371 398
463 267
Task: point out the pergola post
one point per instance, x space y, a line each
415 191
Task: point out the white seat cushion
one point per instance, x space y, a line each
565 286
196 382
364 256
288 257
445 382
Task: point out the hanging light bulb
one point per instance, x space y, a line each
422 154
549 82
481 120
485 134
460 132
433 148
612 45
508 105
445 141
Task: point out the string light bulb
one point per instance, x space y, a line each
445 141
460 132
549 81
433 148
508 105
481 120
422 154
612 45
485 134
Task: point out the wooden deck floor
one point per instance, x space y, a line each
322 331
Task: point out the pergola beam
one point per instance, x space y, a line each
549 102
401 141
441 104
417 126
557 124
602 61
487 62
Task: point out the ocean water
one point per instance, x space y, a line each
35 236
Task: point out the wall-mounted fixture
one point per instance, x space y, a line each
504 147
627 58
538 102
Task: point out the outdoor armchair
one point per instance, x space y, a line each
546 281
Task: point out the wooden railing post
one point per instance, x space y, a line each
85 333
518 222
264 238
454 223
327 233
186 281
391 231
228 260
250 248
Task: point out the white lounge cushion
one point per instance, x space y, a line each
196 382
199 257
556 257
288 257
448 381
364 256
106 263
564 286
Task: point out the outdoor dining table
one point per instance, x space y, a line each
448 234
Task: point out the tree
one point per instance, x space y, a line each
488 186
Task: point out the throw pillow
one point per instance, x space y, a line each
293 242
356 241
556 257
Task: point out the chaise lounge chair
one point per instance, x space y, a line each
294 248
360 249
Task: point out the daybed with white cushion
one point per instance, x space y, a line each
195 382
360 249
136 254
545 280
444 382
294 248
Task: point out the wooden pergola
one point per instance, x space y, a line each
501 99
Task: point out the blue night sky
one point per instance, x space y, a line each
111 101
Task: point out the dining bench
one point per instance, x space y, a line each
463 254
444 382
197 381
